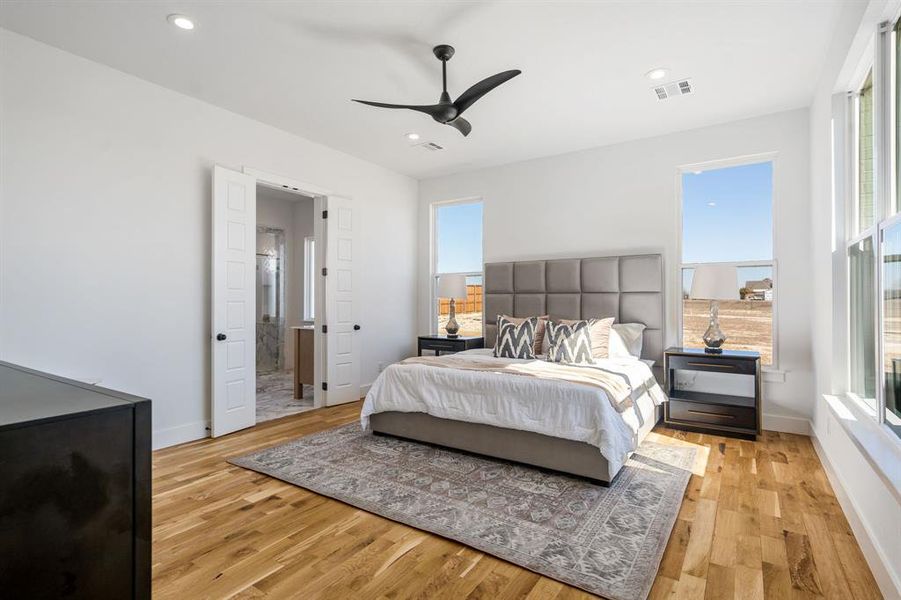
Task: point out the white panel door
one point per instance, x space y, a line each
342 337
234 301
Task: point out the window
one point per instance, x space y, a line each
891 325
865 173
457 249
895 116
727 220
309 278
871 229
862 326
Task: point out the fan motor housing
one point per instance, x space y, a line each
443 52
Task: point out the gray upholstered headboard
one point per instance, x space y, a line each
629 288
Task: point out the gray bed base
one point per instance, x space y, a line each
629 288
535 449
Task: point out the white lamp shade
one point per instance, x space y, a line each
452 286
715 282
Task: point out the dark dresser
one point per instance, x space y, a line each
74 489
707 412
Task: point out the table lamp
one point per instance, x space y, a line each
714 283
452 286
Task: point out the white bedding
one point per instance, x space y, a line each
565 410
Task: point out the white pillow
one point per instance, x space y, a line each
626 340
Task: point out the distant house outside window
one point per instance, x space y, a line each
727 219
457 249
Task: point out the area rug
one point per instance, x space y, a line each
607 541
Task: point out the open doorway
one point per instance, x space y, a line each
325 263
285 309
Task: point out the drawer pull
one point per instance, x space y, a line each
711 414
711 365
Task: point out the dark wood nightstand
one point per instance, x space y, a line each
442 343
705 412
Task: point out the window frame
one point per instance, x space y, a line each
433 259
877 266
309 278
738 161
868 71
879 58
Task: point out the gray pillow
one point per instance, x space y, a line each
515 339
569 342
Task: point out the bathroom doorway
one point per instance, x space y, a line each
330 328
285 361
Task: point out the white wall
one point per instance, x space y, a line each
294 215
623 198
105 239
872 508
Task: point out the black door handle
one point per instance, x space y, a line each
356 328
220 337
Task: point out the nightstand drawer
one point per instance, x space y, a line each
713 365
712 414
439 345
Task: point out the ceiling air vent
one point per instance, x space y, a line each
430 146
673 88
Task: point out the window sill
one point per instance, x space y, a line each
880 448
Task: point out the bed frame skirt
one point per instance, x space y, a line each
535 449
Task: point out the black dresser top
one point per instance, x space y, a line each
28 396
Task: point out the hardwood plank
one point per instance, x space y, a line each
697 553
758 520
828 565
801 567
720 582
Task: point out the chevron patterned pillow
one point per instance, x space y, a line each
569 342
515 340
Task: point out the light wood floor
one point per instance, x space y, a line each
759 520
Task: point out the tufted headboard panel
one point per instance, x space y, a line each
629 288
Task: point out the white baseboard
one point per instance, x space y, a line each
163 438
786 424
872 552
364 389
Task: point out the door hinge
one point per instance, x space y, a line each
324 272
325 329
325 214
324 386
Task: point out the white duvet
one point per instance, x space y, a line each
560 409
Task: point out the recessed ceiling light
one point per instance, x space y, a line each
181 21
412 136
655 74
711 204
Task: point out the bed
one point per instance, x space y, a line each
544 422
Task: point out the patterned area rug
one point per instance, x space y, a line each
607 541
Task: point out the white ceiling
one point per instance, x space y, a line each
295 65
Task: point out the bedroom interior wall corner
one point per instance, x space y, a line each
871 507
106 224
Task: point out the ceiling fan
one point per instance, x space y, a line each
447 112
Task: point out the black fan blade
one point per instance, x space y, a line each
430 110
461 125
469 97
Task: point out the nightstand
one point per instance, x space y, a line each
705 412
442 343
